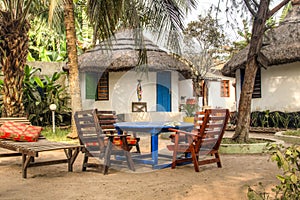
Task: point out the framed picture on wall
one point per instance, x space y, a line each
139 106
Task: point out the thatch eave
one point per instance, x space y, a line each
123 55
281 45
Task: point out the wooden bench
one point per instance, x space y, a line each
30 150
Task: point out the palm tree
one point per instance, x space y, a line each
72 62
14 27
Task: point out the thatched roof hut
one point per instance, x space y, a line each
281 45
122 55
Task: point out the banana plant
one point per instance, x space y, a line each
40 93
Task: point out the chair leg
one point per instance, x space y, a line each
85 161
127 154
174 160
107 156
138 150
137 146
217 155
195 159
129 161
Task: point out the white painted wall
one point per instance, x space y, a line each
214 95
186 89
280 89
122 92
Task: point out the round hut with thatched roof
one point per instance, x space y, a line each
109 79
277 82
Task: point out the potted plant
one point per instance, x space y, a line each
190 109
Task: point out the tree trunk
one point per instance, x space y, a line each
13 54
243 122
205 94
72 62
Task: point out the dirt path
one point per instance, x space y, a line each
54 182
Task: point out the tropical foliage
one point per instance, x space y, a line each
287 159
39 93
274 119
45 44
47 39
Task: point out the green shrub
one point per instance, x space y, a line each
39 93
274 119
288 160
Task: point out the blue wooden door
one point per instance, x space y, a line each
163 91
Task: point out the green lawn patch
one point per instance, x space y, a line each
292 133
250 141
60 135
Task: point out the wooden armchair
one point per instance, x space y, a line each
106 122
204 140
97 143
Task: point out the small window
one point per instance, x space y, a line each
225 88
91 80
257 83
96 88
103 87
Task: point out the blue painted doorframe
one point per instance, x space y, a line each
163 91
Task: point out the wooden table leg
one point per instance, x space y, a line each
71 156
25 163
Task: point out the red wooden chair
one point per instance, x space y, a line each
204 140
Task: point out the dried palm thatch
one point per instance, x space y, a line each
281 45
122 55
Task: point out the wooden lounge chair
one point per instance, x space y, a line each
97 143
205 140
107 119
31 150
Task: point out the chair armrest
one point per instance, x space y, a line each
115 135
181 131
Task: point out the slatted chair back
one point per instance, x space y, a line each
198 120
88 132
106 120
212 131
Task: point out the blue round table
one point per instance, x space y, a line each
154 128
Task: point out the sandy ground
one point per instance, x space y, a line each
54 182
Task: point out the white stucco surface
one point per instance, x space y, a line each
280 89
122 92
214 95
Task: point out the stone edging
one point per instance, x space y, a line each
287 138
255 148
